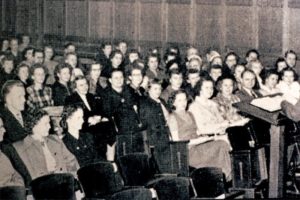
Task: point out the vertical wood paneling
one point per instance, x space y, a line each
294 29
178 22
54 20
125 20
77 20
240 33
151 24
270 28
22 16
208 26
100 19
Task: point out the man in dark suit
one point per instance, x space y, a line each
12 113
247 93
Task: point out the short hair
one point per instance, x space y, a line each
77 78
172 62
236 66
290 70
37 51
69 54
7 58
199 84
253 51
27 49
38 66
33 118
154 81
247 71
152 55
22 65
90 66
49 47
232 53
135 67
69 44
121 41
68 111
172 98
279 60
7 87
267 73
174 71
115 52
192 71
290 52
105 43
61 66
221 79
251 63
214 67
114 71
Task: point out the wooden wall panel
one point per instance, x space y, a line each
54 20
77 20
208 26
295 29
100 19
22 23
125 20
270 27
178 24
239 33
151 22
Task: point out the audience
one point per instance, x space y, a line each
121 93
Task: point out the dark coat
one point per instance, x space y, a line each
152 117
60 93
14 130
120 107
83 148
291 111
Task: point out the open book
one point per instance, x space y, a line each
270 104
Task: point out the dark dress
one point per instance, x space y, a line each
120 107
60 93
83 148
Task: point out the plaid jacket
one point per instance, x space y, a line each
39 98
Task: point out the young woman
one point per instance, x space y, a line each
116 59
270 81
39 95
93 75
42 153
62 86
203 151
79 143
22 72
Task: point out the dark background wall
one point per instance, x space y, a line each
272 26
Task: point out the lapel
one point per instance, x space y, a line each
12 119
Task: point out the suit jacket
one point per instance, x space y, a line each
14 130
152 117
245 96
31 153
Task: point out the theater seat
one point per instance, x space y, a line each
137 171
13 192
133 194
100 179
54 186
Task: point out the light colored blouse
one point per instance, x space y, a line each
207 116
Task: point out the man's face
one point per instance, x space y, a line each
248 80
117 80
39 75
291 59
8 66
16 98
14 45
252 57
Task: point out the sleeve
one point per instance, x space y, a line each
30 100
291 111
70 160
173 126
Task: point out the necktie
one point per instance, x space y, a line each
20 119
253 94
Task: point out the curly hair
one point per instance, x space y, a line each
33 118
173 96
68 111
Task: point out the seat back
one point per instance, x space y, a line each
133 194
208 182
54 186
132 143
13 192
100 179
136 169
172 188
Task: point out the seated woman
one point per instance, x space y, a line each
203 151
22 72
42 153
79 143
93 75
62 87
9 176
270 81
